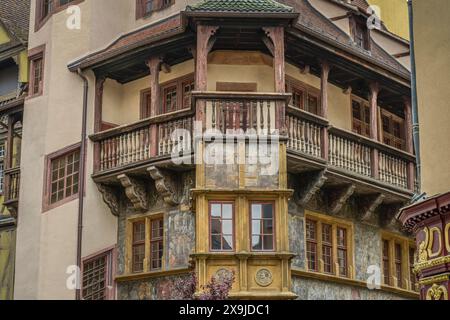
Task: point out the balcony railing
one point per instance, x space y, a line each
12 185
229 111
140 141
349 152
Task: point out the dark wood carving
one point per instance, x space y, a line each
369 205
136 191
339 198
312 181
110 197
164 185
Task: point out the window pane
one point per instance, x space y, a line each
227 227
267 211
227 243
256 211
257 242
94 283
216 210
216 226
267 227
227 211
268 242
216 242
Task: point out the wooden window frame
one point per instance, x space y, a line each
355 22
390 135
179 84
274 234
307 91
40 20
145 108
313 241
233 222
406 246
320 220
111 256
34 55
364 126
147 219
46 205
141 13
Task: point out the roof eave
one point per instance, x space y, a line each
229 14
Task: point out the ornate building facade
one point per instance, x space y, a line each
14 20
429 218
130 100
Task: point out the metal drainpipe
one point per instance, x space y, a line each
414 102
81 178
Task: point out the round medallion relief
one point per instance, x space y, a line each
222 274
264 277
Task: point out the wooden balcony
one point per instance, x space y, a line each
346 153
312 143
140 143
12 187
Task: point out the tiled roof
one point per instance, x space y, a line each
240 6
15 15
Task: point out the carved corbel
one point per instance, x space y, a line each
370 204
110 197
314 181
164 185
390 215
340 197
135 191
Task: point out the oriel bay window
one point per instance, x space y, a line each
328 245
398 262
145 237
262 226
221 228
145 8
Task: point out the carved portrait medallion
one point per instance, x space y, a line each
264 277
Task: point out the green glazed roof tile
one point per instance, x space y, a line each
240 6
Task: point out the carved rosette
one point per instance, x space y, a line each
264 277
164 185
135 191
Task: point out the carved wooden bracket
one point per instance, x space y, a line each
313 182
370 204
390 215
164 185
340 197
110 197
135 191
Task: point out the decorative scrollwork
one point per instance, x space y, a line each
164 186
110 197
135 191
437 292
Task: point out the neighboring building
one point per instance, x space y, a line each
14 18
394 14
332 96
429 219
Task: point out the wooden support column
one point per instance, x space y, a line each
325 71
98 115
373 105
10 142
276 36
154 64
205 42
409 142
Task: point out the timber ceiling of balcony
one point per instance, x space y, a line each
311 37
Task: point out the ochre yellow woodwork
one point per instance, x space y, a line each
257 274
405 244
321 219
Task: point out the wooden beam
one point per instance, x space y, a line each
369 205
154 65
98 103
340 197
325 71
373 101
306 69
313 181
